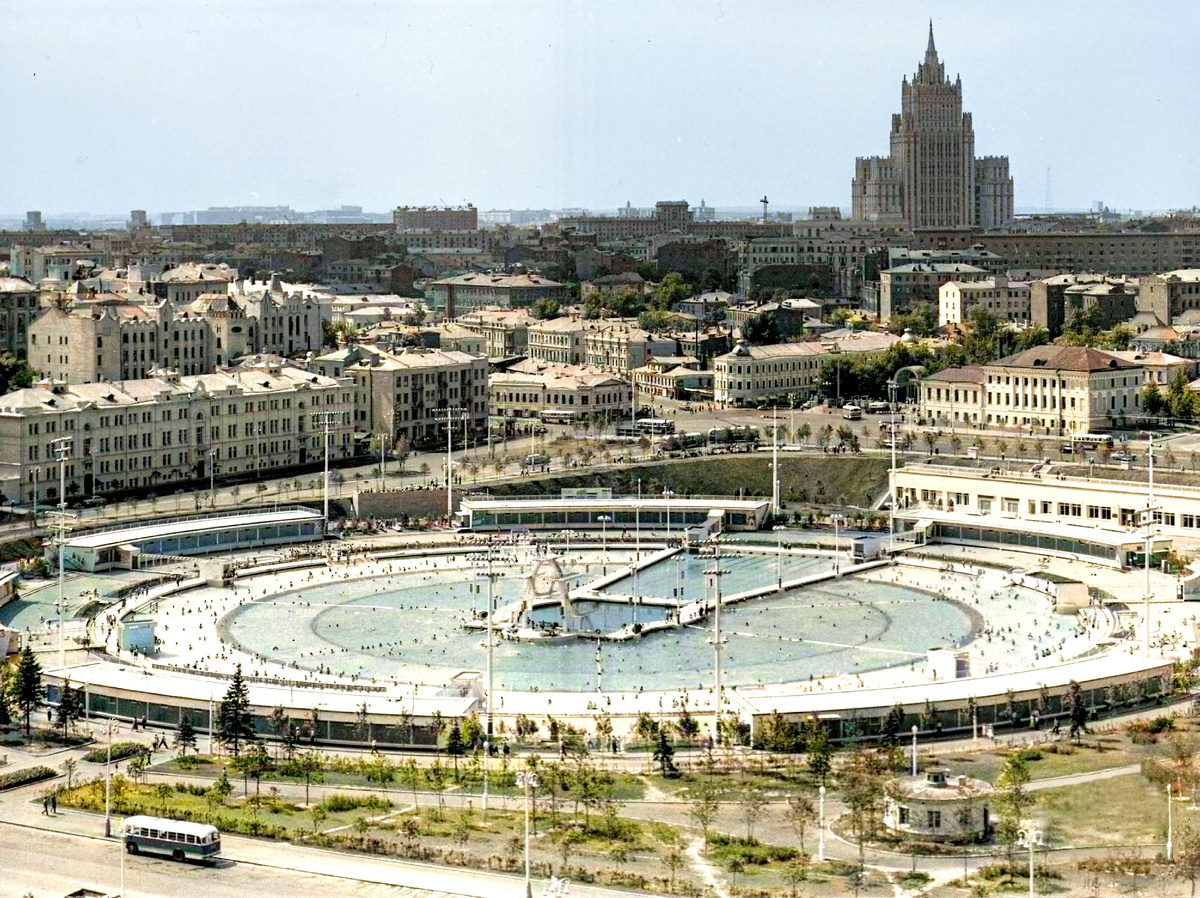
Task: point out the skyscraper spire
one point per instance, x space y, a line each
931 50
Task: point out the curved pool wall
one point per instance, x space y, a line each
772 640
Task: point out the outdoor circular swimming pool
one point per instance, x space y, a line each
408 627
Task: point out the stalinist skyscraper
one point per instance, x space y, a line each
932 178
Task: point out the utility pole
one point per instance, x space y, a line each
449 414
712 579
1150 510
62 452
325 421
487 699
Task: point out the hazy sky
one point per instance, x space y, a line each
182 105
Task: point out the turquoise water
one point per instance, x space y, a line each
407 628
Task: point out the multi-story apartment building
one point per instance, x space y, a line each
839 250
560 341
184 283
289 322
19 306
905 286
1047 390
931 178
56 261
530 388
451 218
170 430
751 373
505 331
122 340
953 397
1006 301
1169 295
407 393
621 347
1119 252
451 297
1055 301
674 377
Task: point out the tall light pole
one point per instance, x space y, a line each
821 842
107 780
527 780
712 578
915 730
604 520
637 553
62 451
212 476
450 414
487 699
892 388
779 528
837 544
1150 510
325 421
775 459
1031 839
1170 822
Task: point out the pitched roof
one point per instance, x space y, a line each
1064 358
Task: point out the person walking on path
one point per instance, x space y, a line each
54 805
46 807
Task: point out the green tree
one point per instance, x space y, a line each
703 807
308 767
672 291
185 736
68 767
233 716
163 792
752 801
800 814
820 753
27 689
70 707
15 374
545 308
1152 400
664 753
892 726
455 747
1013 798
1079 711
762 329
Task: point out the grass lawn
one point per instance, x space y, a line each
1097 752
269 816
1120 811
618 785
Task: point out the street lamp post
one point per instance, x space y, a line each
779 528
62 451
1170 822
604 520
914 750
1031 839
712 578
325 421
1150 510
837 542
107 782
527 781
821 842
487 700
449 413
212 476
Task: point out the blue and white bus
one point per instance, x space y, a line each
180 839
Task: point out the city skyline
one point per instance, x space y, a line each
530 105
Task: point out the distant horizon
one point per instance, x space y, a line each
565 104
